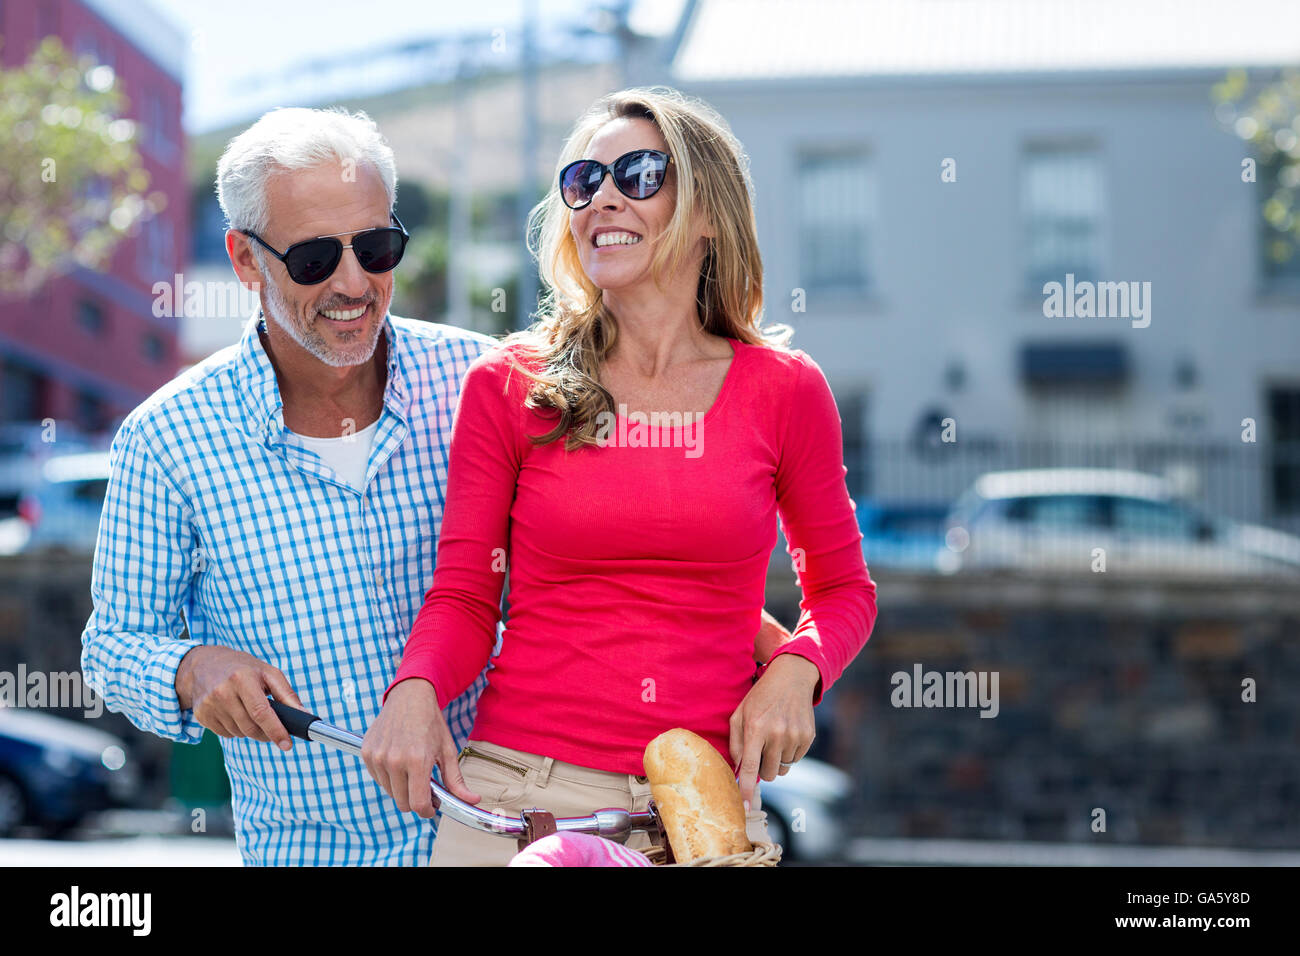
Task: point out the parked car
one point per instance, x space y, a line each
14 534
14 531
62 509
902 535
36 440
806 811
25 446
54 772
1054 518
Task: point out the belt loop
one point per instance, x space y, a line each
544 773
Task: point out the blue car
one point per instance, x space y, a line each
54 772
901 535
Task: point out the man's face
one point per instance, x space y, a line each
339 320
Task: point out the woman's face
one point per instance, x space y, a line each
637 224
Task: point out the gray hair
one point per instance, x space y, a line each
295 138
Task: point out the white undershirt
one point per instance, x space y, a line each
347 455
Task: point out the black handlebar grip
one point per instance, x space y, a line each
295 721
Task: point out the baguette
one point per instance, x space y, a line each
697 795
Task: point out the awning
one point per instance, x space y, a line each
1089 363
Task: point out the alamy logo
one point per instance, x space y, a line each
654 430
75 908
39 689
1102 300
950 689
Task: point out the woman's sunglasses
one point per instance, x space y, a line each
314 261
638 175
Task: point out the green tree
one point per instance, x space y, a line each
492 308
420 208
1267 116
71 181
420 282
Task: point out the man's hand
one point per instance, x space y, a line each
227 691
774 722
403 744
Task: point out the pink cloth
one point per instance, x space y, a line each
637 573
578 849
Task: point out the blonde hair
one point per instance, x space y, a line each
574 331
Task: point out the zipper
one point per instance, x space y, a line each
471 752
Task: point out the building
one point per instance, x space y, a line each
87 347
924 169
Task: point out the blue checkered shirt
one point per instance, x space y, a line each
219 521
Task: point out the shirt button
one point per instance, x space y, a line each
379 579
397 660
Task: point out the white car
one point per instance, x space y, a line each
62 508
806 810
14 534
1056 519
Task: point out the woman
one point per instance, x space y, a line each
637 547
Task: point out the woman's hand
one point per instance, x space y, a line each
774 723
404 743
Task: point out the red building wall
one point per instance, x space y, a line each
87 347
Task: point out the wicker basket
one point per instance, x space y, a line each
763 854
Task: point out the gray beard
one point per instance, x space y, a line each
277 307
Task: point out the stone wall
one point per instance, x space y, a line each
1113 693
1119 694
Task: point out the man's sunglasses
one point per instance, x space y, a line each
314 261
638 175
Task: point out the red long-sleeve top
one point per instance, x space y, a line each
637 573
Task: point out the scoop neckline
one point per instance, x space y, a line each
717 402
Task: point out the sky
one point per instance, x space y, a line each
243 53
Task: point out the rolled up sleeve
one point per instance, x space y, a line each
145 559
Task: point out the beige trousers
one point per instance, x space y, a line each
511 781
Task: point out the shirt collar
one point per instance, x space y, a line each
260 393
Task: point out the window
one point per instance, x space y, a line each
157 124
155 252
837 214
1279 197
90 316
1284 450
1061 203
155 349
90 412
22 393
1061 512
1154 519
90 492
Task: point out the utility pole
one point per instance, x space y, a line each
529 100
459 312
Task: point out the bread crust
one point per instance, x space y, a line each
697 796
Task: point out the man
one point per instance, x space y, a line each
281 501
